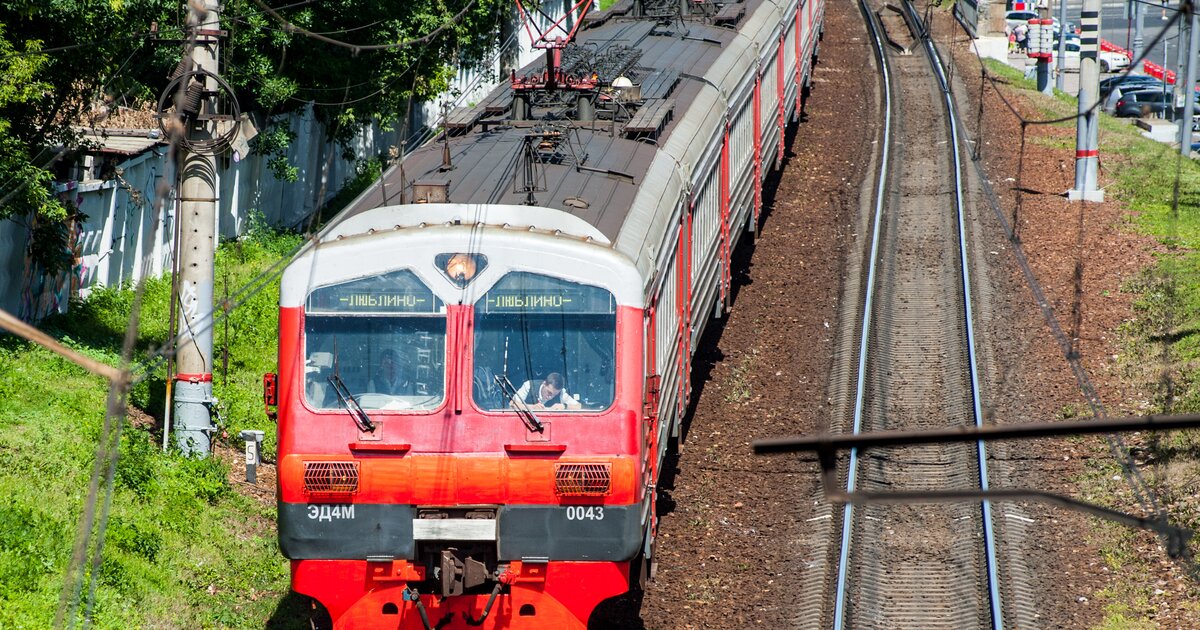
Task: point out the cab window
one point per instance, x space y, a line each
549 341
383 337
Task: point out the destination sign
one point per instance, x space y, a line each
395 293
387 301
555 301
502 300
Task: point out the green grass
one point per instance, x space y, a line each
1008 74
1160 348
740 388
182 548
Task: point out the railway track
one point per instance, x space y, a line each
911 361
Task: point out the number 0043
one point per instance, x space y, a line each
585 513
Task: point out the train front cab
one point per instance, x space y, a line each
440 500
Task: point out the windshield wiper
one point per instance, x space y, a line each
343 393
531 421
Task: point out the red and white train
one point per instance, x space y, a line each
483 359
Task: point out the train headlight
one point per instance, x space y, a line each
461 269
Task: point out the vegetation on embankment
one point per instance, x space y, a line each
1158 357
182 547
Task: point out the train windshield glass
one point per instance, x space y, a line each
554 340
384 336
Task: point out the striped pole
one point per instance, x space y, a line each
1087 154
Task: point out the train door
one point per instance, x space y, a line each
645 565
685 317
796 35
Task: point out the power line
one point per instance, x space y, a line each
357 48
95 43
1144 494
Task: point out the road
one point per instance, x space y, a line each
1117 27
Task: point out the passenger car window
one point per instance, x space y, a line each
384 336
529 326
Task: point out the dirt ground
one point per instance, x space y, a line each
726 552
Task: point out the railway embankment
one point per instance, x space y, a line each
1123 280
189 543
185 542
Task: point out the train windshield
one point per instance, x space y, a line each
383 336
552 339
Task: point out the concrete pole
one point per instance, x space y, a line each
1059 82
1189 87
1181 40
1087 132
196 248
1139 37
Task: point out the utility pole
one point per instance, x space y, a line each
1189 87
1139 17
1060 79
198 215
1087 132
1181 38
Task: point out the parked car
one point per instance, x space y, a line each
1113 88
1070 37
1109 61
1013 18
1129 82
1138 103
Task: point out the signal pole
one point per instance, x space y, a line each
1087 130
1045 34
198 214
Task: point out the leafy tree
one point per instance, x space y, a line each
57 60
65 63
278 69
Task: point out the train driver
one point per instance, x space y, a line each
391 377
549 393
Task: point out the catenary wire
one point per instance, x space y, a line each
357 48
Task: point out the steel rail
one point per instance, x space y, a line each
848 509
860 387
989 534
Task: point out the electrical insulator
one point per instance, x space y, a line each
192 97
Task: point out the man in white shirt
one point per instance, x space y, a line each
549 393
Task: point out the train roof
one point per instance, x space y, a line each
616 176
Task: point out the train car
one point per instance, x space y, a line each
483 359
